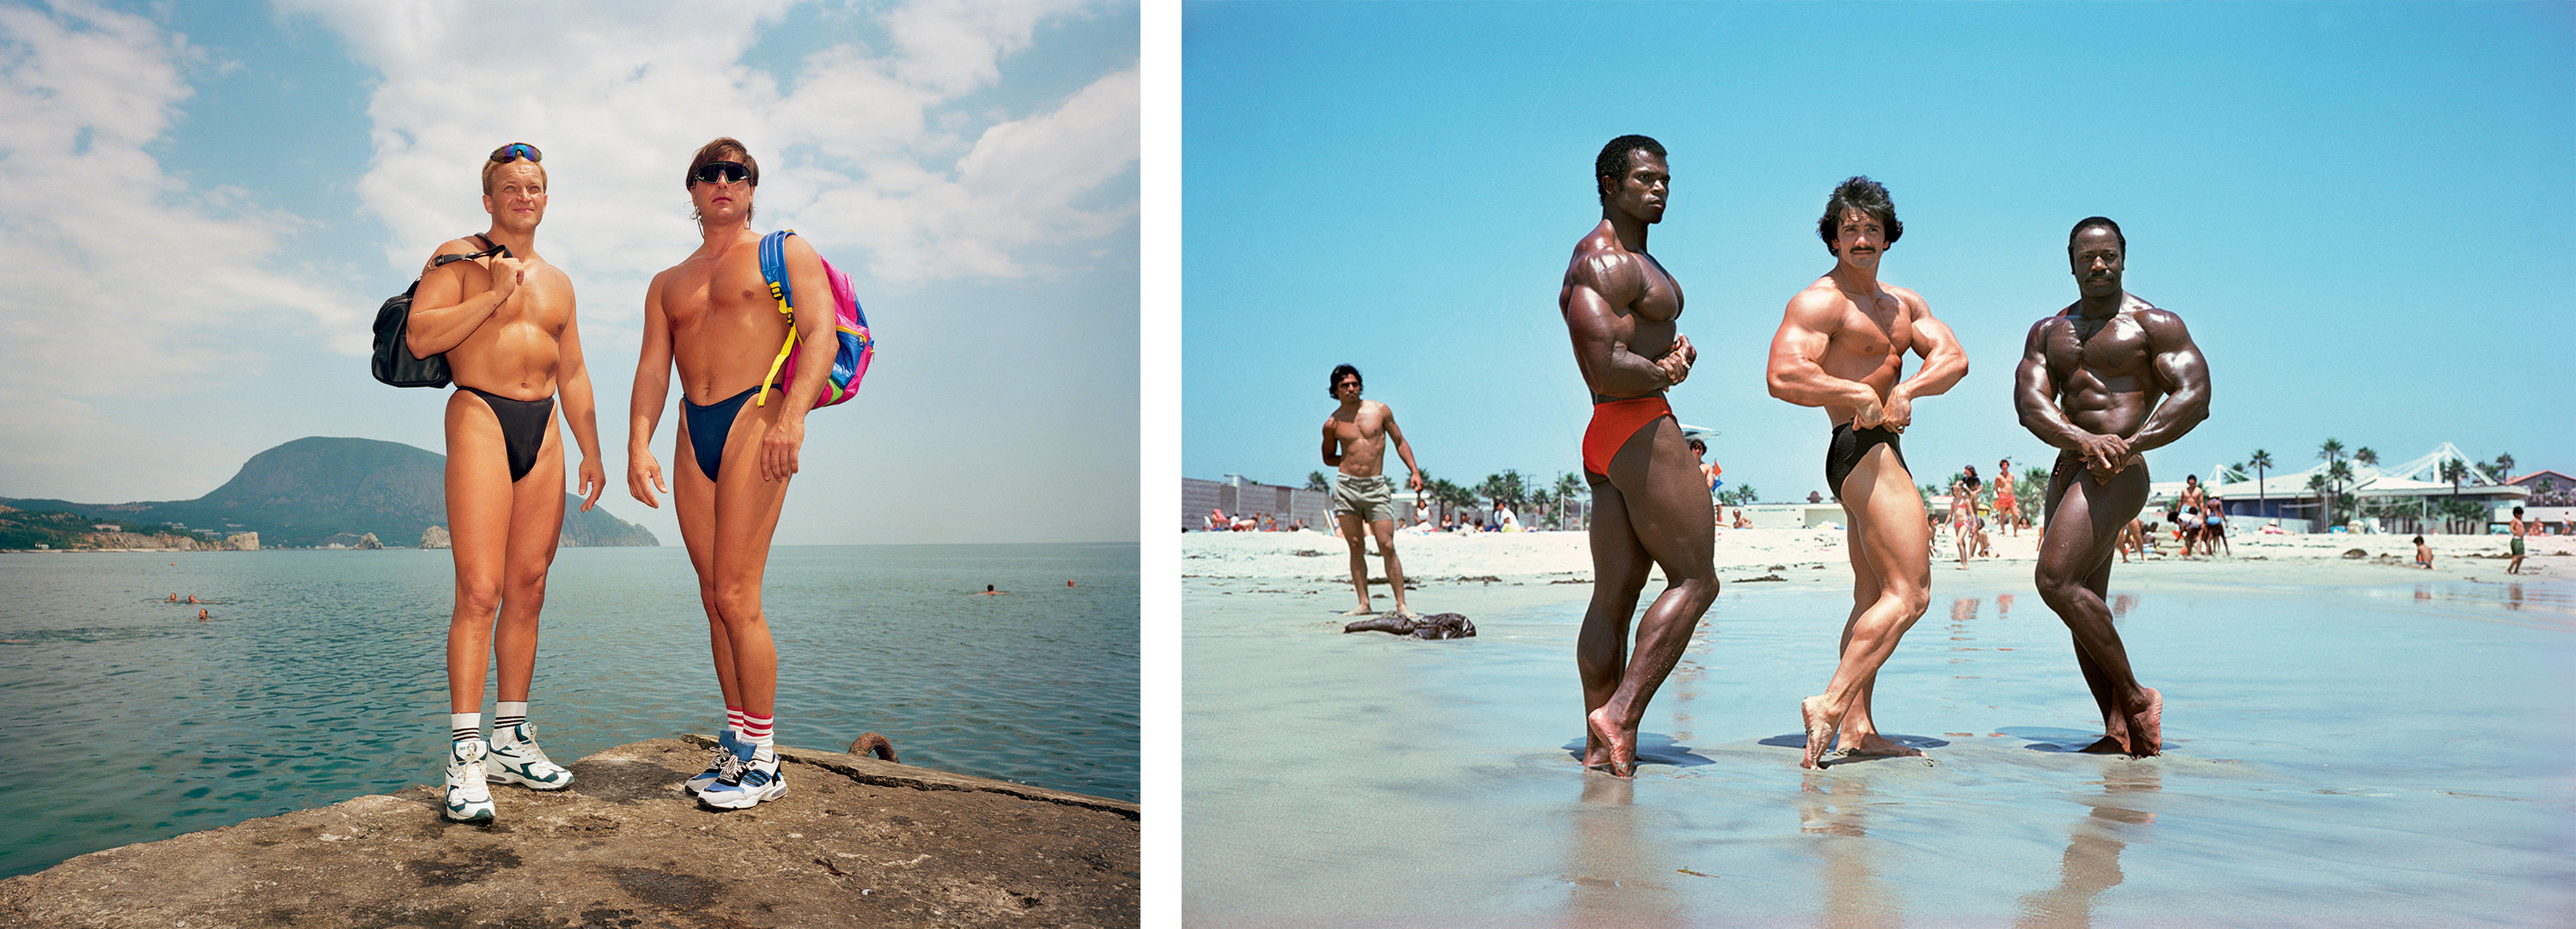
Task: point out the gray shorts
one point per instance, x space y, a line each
1372 497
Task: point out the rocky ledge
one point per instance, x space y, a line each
854 842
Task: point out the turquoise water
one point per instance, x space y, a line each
2336 755
321 675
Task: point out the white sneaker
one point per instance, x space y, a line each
468 801
516 759
725 743
750 778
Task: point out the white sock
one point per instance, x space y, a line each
757 729
463 726
508 713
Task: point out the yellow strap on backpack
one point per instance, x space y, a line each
783 350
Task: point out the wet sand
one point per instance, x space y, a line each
2348 742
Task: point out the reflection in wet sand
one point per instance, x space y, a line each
2093 845
1612 878
1834 808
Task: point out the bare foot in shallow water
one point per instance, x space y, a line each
1820 733
2147 728
1360 610
1875 745
1616 755
2107 745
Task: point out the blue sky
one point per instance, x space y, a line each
2363 212
204 204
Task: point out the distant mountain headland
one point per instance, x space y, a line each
309 493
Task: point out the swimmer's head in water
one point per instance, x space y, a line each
1613 162
1341 372
1868 196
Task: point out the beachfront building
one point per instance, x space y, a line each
1238 496
2403 498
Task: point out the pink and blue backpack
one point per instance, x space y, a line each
856 346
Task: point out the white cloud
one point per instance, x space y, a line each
121 282
862 147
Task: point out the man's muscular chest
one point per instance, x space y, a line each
543 301
2115 347
714 293
1659 297
1875 327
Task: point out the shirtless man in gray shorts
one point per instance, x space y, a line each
1355 439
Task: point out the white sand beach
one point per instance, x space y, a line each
2349 741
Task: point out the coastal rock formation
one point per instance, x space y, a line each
854 842
303 493
242 541
436 537
1434 626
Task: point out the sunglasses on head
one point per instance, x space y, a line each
721 172
515 151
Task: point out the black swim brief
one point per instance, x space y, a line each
524 424
1849 444
710 426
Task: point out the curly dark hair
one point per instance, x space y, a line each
1868 196
1613 161
1332 386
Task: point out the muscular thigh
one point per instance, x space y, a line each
2085 518
536 509
1666 499
693 502
1888 524
477 484
746 505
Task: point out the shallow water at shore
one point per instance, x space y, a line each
2335 755
322 676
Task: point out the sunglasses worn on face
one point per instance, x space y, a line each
722 172
515 151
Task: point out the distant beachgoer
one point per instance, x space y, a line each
709 318
1355 440
2423 553
990 592
2104 380
1651 508
201 615
2519 529
508 326
1842 346
1421 511
1740 521
1963 514
2007 506
1708 471
2213 527
174 598
192 598
1504 519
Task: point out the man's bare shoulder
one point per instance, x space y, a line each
2162 326
1374 408
1615 273
1906 295
1821 306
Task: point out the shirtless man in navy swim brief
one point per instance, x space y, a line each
1650 501
712 318
506 324
1842 345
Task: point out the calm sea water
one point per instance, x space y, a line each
321 676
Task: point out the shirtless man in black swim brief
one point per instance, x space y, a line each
1841 346
506 324
1650 501
2106 378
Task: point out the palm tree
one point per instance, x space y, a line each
2261 461
2503 467
2330 452
2338 477
1315 481
2454 471
1567 485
